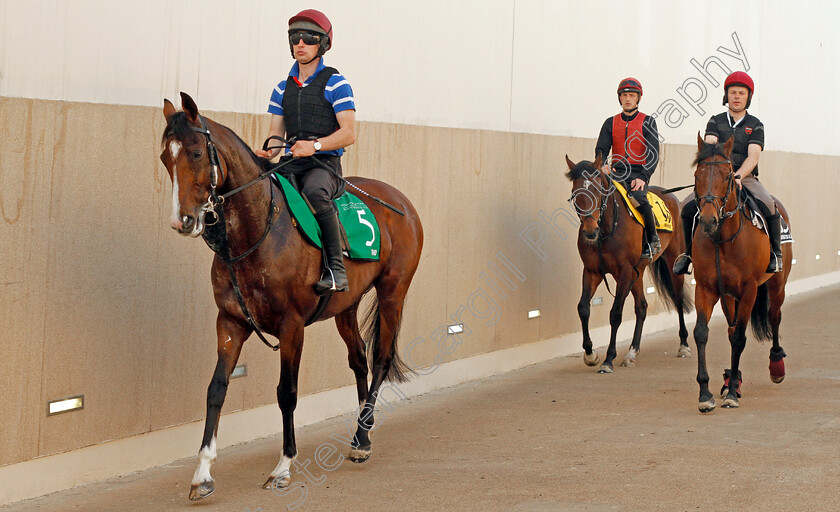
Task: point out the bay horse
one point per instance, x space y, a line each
277 274
730 259
610 242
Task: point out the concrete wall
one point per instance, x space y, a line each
467 107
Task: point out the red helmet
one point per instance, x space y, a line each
630 85
313 21
742 79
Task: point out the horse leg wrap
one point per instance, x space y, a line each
727 374
777 365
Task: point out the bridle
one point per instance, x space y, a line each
602 208
723 214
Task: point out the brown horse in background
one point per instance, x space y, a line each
610 242
730 259
276 269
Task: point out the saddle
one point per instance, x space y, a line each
359 228
661 213
752 212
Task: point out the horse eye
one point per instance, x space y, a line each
197 154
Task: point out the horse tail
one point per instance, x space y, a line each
760 316
397 370
664 284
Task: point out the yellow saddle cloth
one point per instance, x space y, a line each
661 213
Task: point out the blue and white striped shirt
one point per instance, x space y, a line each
338 92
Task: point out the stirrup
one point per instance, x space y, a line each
776 263
683 264
647 251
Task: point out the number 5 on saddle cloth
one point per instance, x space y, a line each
360 229
661 213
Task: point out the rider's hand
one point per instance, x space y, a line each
303 148
606 169
738 181
637 184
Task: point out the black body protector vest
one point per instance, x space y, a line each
742 134
307 113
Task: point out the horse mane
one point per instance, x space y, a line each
178 126
709 150
580 168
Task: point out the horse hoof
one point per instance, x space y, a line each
359 454
202 490
730 402
591 359
280 481
684 351
724 391
707 406
606 368
777 380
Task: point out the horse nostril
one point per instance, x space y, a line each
188 221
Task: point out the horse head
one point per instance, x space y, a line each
193 164
714 183
590 188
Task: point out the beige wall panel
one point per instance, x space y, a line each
26 157
102 223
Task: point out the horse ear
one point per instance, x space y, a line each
570 163
168 108
599 161
700 142
727 148
189 107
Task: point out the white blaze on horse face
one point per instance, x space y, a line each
175 217
206 458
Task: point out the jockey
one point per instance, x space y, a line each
314 107
749 143
633 137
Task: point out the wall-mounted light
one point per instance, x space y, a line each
65 405
240 371
597 301
455 329
650 289
534 313
793 262
817 257
693 281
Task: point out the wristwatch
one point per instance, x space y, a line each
317 145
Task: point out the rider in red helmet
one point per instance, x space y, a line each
633 138
315 108
748 132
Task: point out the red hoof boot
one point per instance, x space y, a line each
725 389
777 365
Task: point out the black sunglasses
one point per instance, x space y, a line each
308 38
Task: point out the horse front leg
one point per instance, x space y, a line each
291 347
704 301
738 340
622 289
591 280
640 308
230 337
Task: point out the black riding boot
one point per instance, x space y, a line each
683 261
334 276
774 229
651 245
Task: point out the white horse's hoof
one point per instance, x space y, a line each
591 359
605 369
280 481
201 490
730 403
684 351
359 454
707 406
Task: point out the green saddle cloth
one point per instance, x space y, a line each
359 223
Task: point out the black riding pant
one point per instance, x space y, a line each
644 206
318 184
